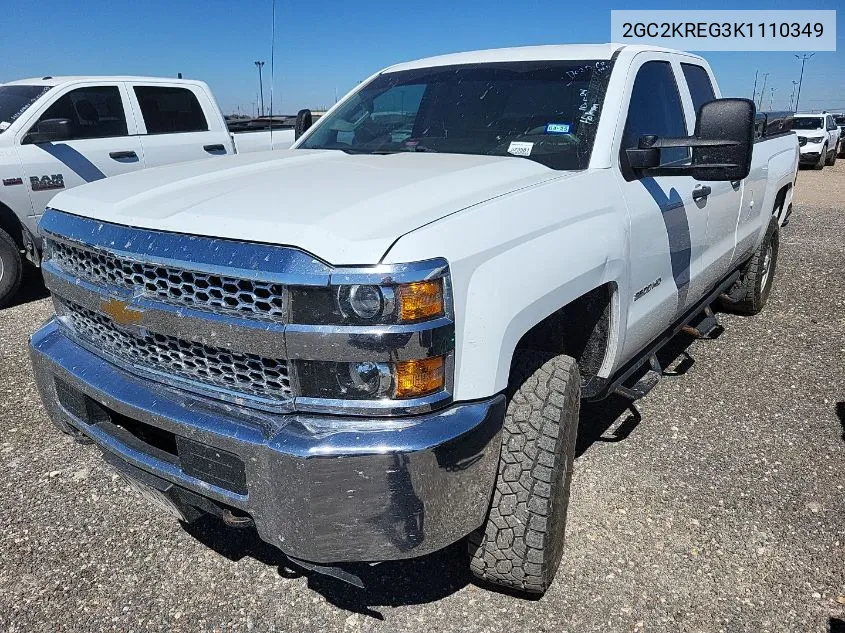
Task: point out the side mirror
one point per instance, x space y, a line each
49 130
721 147
304 120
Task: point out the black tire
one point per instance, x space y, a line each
841 148
822 158
755 285
521 543
831 156
11 268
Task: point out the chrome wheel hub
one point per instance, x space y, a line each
767 266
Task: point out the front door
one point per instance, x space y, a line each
100 144
668 214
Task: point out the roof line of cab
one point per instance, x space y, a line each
533 53
70 79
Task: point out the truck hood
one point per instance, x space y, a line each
345 209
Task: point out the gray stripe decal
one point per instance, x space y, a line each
677 228
80 165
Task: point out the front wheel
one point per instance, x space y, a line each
822 157
11 268
831 156
521 543
755 285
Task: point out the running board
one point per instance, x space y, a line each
707 327
645 384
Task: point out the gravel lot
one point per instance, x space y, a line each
719 507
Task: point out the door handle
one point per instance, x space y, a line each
701 191
122 155
213 149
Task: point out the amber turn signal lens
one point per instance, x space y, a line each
420 300
420 377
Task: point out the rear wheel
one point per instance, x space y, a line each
521 543
755 285
11 268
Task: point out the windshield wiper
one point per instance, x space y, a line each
349 150
418 148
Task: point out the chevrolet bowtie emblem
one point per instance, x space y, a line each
121 312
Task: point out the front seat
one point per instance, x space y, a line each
89 118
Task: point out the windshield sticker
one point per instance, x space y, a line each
558 128
520 148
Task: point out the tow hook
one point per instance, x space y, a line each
236 520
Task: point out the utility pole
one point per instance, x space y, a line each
792 96
803 59
260 65
754 93
763 91
772 100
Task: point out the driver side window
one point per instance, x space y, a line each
94 112
655 108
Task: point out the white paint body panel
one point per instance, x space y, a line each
274 197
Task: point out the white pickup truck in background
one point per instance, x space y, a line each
818 138
60 132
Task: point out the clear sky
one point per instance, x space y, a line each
324 47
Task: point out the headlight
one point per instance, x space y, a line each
372 381
365 304
815 139
373 341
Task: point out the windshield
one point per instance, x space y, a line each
543 111
14 100
807 123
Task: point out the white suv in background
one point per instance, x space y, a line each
818 138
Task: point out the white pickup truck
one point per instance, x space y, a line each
60 132
376 343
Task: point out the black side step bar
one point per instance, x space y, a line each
707 327
645 384
598 388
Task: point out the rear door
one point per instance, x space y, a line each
725 198
834 132
102 142
668 227
178 123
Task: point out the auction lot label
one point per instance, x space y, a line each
727 30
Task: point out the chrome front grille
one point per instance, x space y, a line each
216 293
248 374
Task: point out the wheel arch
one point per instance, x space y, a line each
10 223
584 329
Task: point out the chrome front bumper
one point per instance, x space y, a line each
321 488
